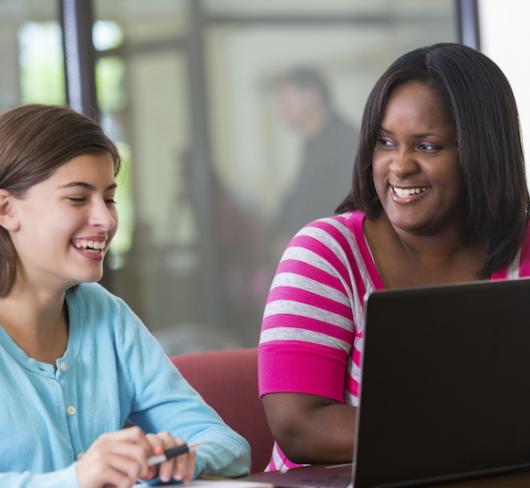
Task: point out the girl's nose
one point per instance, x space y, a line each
103 216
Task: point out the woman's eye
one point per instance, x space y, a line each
427 147
384 142
110 201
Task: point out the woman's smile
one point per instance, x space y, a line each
415 164
410 194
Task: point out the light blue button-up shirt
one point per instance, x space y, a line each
112 370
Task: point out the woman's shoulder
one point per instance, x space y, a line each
331 243
347 224
339 234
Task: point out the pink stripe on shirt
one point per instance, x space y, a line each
352 386
312 244
307 323
309 298
311 272
305 368
346 249
355 223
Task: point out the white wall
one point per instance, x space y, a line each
505 38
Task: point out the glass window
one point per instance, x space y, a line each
240 123
504 34
31 52
142 88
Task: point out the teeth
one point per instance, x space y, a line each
93 245
405 192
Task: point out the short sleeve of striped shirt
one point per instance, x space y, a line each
314 312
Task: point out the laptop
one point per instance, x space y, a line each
445 389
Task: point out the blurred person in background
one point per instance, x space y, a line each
305 104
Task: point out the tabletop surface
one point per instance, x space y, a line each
509 481
517 480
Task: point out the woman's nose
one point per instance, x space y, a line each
403 163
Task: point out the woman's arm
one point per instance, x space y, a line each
311 429
309 346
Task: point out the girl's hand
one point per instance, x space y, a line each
181 467
117 459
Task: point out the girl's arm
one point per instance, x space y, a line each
162 400
114 459
55 479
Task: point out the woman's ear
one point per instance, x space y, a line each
8 216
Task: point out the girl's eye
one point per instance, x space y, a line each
110 201
427 147
77 200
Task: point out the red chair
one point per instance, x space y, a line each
228 382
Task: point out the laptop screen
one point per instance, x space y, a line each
445 384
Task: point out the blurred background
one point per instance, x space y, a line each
237 122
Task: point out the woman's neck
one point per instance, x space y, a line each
407 259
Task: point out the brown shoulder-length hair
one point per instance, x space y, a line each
480 102
34 141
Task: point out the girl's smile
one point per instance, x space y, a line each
92 247
72 217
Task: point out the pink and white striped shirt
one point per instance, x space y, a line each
312 331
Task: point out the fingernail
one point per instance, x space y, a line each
177 477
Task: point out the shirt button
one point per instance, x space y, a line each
63 366
71 410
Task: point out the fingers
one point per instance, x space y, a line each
134 454
181 467
159 443
116 472
117 459
124 472
132 434
109 477
186 466
132 443
157 449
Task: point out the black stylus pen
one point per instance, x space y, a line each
171 453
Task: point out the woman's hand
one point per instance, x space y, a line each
181 467
117 459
